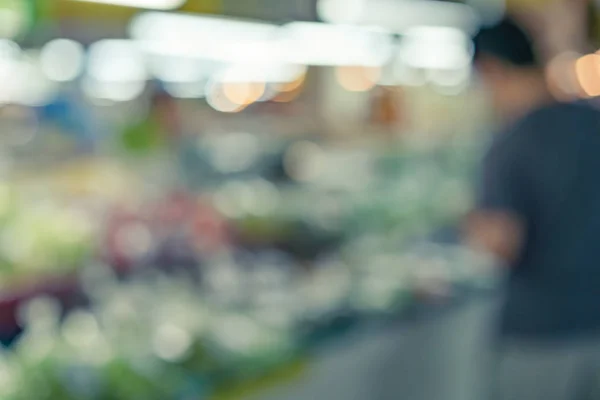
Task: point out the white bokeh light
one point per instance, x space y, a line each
313 43
10 55
21 78
116 60
62 60
113 91
205 37
434 47
116 71
11 23
340 11
14 18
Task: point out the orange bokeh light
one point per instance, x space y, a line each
561 76
358 79
587 69
243 93
292 86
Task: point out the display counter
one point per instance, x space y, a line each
438 352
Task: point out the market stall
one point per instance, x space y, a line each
194 206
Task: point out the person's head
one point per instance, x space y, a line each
507 62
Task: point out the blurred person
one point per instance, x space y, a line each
558 26
538 211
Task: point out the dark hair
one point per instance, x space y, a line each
508 42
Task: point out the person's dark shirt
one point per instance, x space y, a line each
546 170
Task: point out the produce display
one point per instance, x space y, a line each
226 286
166 337
302 196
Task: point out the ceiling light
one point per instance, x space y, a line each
211 38
314 43
398 16
434 47
273 73
341 11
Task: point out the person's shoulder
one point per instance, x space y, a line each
560 112
552 120
525 132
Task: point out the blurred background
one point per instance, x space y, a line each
250 199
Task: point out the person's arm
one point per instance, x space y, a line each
497 224
498 233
